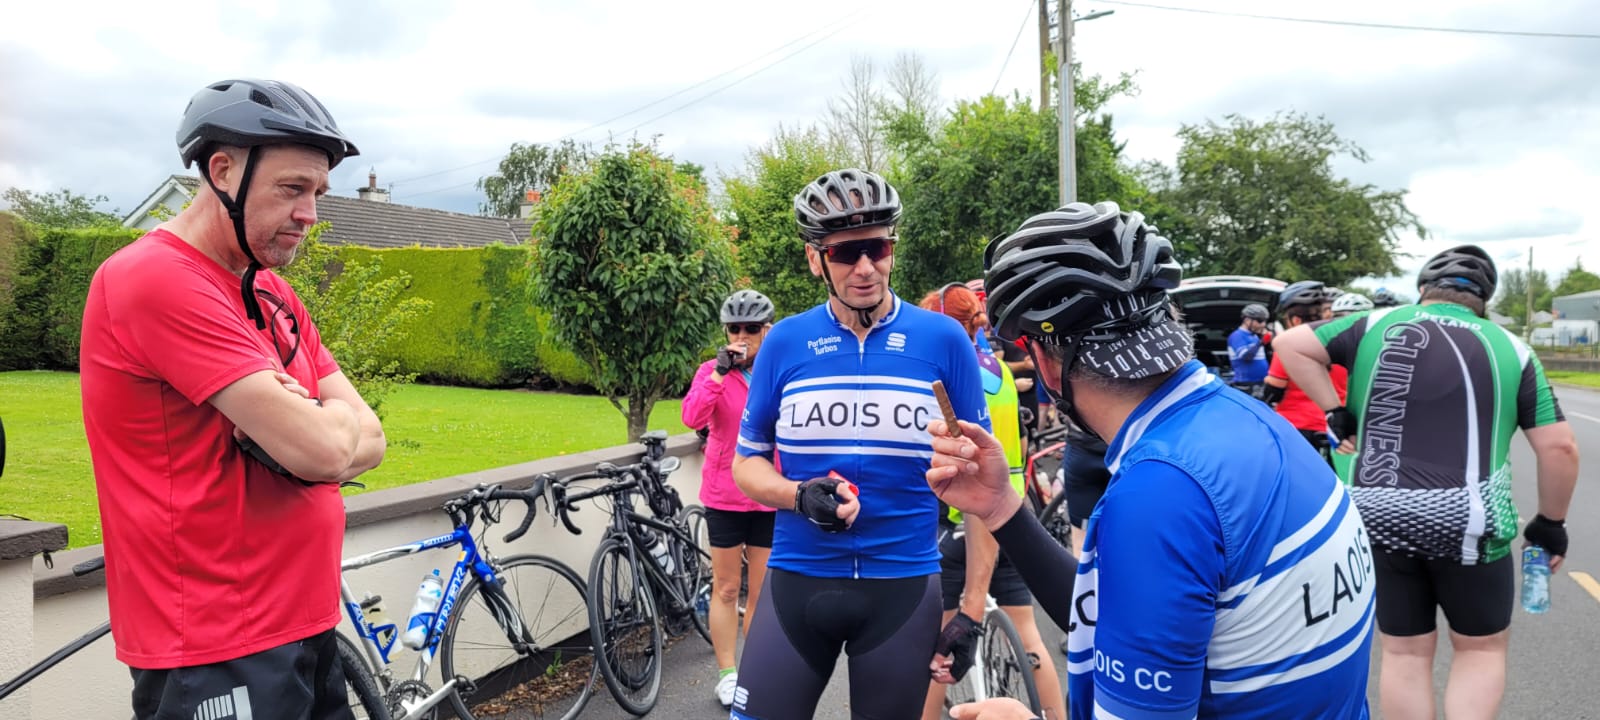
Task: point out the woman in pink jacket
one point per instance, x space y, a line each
740 528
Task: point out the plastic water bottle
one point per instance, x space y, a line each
429 593
658 550
1535 580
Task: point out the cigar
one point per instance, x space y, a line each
945 407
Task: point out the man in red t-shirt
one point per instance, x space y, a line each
221 428
1301 303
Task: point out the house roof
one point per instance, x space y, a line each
1582 295
379 224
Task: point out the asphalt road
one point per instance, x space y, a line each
1554 667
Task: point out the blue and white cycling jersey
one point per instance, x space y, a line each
827 402
1248 355
1225 572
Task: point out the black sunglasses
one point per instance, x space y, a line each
849 252
748 328
279 342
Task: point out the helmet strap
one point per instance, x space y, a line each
863 314
235 206
1063 398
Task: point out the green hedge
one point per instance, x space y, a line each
39 326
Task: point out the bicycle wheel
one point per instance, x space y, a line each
553 675
1007 670
697 568
366 700
624 627
1055 521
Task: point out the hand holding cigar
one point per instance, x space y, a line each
946 408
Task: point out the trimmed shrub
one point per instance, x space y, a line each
39 328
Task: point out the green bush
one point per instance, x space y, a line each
13 233
39 328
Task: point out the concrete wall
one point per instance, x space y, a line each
92 684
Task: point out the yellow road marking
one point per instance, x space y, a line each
1587 581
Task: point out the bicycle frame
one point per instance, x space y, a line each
470 560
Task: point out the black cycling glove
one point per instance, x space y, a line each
1272 395
959 640
725 361
1548 534
815 500
1342 423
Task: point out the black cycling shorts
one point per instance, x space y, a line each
1477 599
1005 584
301 680
1083 478
732 528
886 627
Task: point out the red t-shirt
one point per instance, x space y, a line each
1297 407
210 556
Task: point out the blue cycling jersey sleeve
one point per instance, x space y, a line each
1159 564
757 424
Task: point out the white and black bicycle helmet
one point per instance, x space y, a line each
1464 267
747 306
845 199
1351 303
252 114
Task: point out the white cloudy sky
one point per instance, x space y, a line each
1495 137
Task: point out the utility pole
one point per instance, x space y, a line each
1066 154
1044 53
1527 327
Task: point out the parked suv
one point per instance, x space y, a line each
1211 307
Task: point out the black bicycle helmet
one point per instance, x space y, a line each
747 306
1464 267
845 199
253 114
1382 297
1255 311
1304 292
249 113
1078 270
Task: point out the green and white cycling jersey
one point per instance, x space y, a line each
1439 391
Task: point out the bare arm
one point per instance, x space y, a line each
316 444
1557 452
371 444
761 482
1306 361
983 552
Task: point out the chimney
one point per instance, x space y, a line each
525 209
373 193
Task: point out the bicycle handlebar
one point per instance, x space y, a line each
564 504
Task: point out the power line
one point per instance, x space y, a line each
1350 23
645 106
1014 41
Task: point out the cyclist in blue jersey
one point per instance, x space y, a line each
1212 584
1247 349
842 393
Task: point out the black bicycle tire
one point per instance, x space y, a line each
359 680
1059 528
998 620
692 515
447 645
599 634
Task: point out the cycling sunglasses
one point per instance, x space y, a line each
288 343
748 328
849 252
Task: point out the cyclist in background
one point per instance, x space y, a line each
740 529
1213 583
221 427
1247 350
1383 297
998 578
1298 304
843 393
1433 481
1329 295
1349 304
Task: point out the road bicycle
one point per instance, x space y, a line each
1046 452
1001 667
508 632
633 594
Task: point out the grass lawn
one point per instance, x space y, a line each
433 432
1573 377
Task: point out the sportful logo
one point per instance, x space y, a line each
234 705
896 342
740 697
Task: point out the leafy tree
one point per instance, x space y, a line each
1261 198
633 266
760 203
60 209
1513 298
529 167
1576 280
358 311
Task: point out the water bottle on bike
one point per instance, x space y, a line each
429 593
654 543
